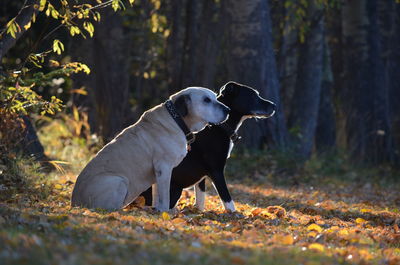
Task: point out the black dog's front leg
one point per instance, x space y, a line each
222 189
148 196
175 194
200 193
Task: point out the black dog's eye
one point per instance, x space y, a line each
207 100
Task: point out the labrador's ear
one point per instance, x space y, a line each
181 104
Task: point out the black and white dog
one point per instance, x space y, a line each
213 146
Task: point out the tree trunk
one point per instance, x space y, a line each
23 17
209 42
30 144
305 102
389 18
191 45
335 44
365 92
176 47
107 55
325 137
194 44
288 57
251 61
393 65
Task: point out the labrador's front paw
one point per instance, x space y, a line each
162 209
199 206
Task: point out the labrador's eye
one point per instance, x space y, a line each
207 100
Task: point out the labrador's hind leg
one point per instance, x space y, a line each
107 192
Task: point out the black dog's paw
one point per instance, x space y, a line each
234 215
238 215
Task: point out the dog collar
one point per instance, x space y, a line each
190 137
230 132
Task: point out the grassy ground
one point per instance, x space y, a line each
286 217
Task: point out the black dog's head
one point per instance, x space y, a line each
245 101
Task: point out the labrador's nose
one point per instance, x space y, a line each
225 109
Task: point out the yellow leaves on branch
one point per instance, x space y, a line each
116 5
74 30
88 26
53 63
42 5
12 28
58 46
77 67
51 11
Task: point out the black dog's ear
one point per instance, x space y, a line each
230 86
181 104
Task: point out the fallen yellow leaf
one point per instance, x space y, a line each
207 228
365 254
343 232
316 246
360 221
333 229
165 216
314 227
312 234
256 211
149 226
279 211
268 215
58 186
283 239
235 229
140 201
365 210
178 221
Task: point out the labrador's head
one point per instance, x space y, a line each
199 106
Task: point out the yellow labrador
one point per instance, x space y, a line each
145 153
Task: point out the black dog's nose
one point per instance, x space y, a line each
270 107
269 104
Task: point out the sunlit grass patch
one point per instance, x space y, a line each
68 141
